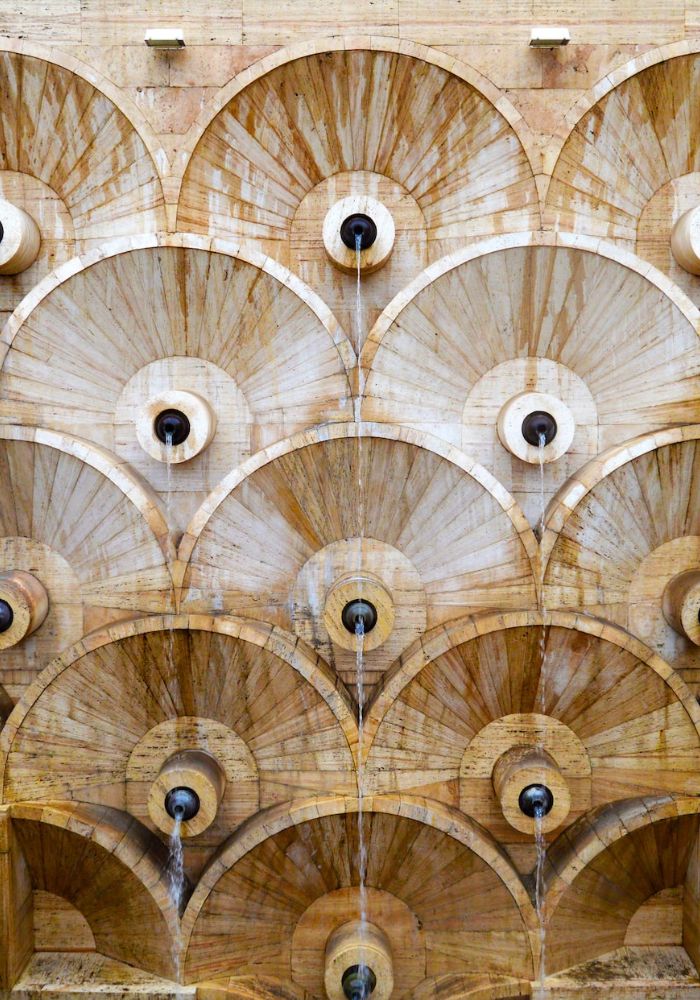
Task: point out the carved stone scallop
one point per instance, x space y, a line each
460 538
591 327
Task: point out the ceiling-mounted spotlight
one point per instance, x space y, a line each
549 38
164 38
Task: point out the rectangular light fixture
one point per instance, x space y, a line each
164 38
549 38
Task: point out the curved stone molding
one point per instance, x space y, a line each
111 869
260 349
89 528
596 699
458 509
307 830
25 604
611 862
611 341
597 562
217 670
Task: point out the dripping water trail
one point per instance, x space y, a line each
540 843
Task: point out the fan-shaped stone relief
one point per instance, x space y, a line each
592 702
585 333
71 160
245 351
267 713
395 126
629 169
277 538
294 702
301 863
624 575
87 531
103 863
619 859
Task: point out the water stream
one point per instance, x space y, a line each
362 846
540 842
360 623
176 887
176 857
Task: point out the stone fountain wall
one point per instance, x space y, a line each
173 611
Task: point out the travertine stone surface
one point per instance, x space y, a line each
163 245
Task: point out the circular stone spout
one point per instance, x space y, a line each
356 611
681 604
188 789
539 428
525 416
685 241
358 982
358 227
359 963
182 803
530 787
363 217
171 427
354 596
175 425
24 605
20 239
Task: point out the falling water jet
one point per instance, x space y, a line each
539 797
362 846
